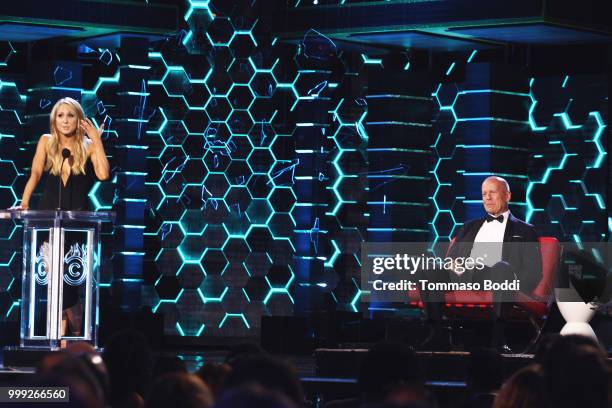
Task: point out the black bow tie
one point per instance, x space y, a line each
492 218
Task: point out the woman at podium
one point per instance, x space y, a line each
73 156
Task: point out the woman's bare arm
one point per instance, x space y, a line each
38 165
96 149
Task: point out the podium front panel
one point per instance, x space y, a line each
60 281
60 275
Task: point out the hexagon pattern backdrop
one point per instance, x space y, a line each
267 163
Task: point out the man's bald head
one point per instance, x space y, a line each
495 195
500 180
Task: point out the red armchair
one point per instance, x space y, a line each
534 306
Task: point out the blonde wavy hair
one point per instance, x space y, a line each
53 150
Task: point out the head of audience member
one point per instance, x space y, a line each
66 370
391 372
543 345
525 389
129 361
254 396
49 360
550 340
179 390
576 373
214 375
484 371
90 356
81 347
387 404
495 195
168 364
269 372
243 350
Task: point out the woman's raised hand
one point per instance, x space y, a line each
95 134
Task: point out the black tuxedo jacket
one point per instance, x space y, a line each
523 255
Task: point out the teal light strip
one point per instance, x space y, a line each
469 174
450 69
472 55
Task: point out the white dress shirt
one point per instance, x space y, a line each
489 239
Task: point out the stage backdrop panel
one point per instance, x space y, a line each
247 171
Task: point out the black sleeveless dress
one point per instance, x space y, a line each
75 197
74 193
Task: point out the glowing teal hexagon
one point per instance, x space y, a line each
192 248
215 186
283 290
6 51
8 172
259 211
192 222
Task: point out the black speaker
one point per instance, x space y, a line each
287 334
113 320
9 334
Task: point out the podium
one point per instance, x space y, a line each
60 275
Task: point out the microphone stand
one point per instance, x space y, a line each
65 155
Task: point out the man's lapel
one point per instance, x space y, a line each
508 237
509 228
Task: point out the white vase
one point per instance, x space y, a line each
576 313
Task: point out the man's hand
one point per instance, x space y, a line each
458 268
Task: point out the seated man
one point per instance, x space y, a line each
484 238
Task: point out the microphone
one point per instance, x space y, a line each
65 155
